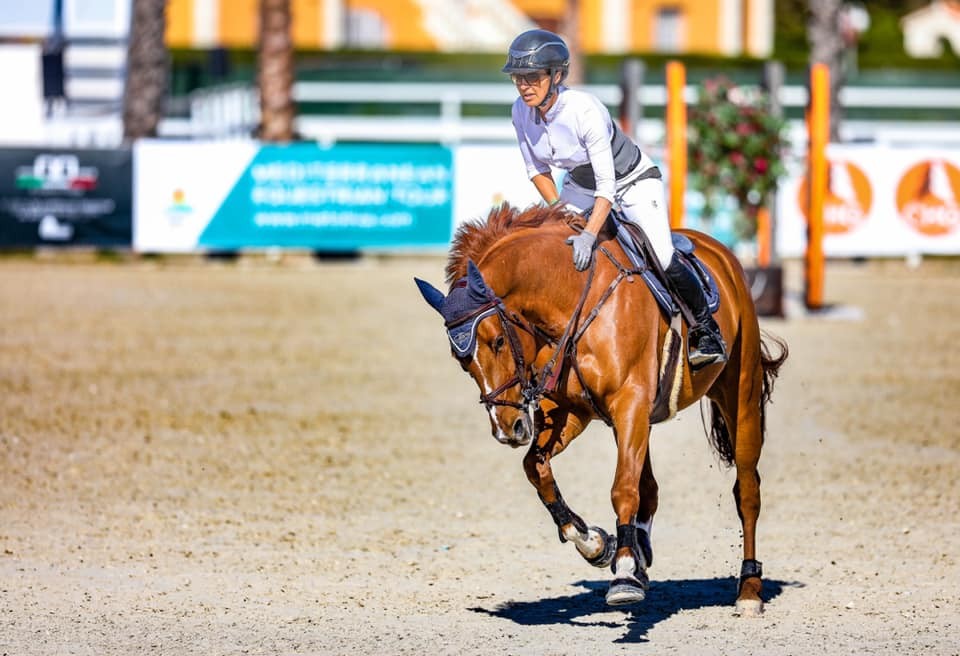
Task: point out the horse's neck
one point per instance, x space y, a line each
542 297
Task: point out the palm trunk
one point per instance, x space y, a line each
826 46
276 71
570 29
146 82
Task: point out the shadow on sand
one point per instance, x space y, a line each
664 599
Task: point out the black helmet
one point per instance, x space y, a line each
538 50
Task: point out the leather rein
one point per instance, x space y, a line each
534 387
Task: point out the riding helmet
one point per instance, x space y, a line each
538 50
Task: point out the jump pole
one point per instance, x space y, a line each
676 128
818 126
764 237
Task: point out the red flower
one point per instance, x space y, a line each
760 164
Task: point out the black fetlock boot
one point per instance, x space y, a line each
705 341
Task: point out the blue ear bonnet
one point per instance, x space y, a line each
462 310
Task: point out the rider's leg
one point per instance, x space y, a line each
706 342
644 204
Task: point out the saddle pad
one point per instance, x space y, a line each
685 250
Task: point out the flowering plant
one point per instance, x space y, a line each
736 148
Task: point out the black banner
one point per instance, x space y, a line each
66 197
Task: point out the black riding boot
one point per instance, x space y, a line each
704 339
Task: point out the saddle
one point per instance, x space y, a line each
638 248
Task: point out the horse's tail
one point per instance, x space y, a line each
719 432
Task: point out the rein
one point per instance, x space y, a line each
532 390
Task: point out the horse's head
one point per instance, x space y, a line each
485 340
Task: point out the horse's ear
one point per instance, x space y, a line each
431 294
476 284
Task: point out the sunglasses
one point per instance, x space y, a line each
528 78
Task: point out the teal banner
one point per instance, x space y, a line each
345 197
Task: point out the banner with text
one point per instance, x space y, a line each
881 201
65 197
224 196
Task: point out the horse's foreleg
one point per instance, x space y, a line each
648 501
593 543
634 508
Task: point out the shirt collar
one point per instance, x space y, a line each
557 106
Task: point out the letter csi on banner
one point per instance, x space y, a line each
881 201
197 196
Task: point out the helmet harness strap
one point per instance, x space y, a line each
546 99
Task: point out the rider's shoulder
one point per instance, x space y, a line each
578 98
519 110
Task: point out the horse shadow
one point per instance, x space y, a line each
664 599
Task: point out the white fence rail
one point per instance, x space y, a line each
234 111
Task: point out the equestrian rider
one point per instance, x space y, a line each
572 130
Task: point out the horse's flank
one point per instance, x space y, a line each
473 239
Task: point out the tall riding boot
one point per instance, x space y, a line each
704 339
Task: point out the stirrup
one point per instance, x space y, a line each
701 358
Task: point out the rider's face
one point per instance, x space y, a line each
532 87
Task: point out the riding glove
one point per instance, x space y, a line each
583 245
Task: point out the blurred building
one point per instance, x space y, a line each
926 30
718 27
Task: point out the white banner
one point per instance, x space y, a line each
178 188
881 201
487 175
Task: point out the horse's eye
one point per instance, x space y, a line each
498 343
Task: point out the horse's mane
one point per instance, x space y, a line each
474 238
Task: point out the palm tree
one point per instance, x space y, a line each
570 28
146 80
276 71
827 47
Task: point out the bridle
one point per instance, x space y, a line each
509 321
534 387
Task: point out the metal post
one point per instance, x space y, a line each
631 103
772 83
818 123
676 126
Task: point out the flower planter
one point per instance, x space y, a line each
766 286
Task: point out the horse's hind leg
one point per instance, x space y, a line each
737 398
591 542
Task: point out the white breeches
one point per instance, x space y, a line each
643 203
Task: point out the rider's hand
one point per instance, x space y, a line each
583 245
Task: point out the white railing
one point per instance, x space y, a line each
233 112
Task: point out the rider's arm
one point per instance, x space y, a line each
601 209
546 186
535 167
596 139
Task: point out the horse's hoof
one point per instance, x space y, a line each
748 608
625 591
605 556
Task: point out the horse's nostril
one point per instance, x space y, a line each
518 428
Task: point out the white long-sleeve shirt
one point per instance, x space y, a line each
576 130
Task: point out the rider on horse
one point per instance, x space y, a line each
572 130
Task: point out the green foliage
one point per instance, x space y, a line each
736 148
879 48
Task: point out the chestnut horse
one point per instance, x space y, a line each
552 349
